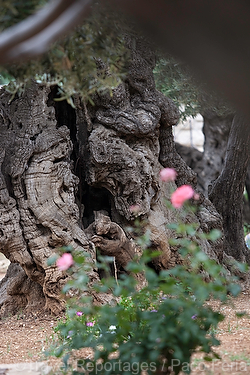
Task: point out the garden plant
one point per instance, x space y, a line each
155 329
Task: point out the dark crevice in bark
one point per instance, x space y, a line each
65 115
23 231
31 212
23 189
34 137
190 155
95 199
248 184
43 229
8 184
89 199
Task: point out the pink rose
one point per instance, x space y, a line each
168 174
65 262
181 194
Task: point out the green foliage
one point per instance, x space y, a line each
175 80
246 228
93 58
5 78
159 326
89 60
14 11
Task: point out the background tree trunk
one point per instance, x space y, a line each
227 191
216 130
225 158
209 163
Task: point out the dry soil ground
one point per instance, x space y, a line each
234 335
25 338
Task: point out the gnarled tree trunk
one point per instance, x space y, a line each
69 177
37 202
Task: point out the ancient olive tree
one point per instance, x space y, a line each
71 169
69 176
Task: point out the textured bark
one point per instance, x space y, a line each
227 190
207 215
129 142
111 240
170 158
37 203
116 148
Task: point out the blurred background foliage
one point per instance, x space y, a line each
175 80
90 59
94 58
12 11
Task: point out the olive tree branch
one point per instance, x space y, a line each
33 36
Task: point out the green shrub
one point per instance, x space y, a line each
155 329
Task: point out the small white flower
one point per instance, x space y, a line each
112 328
247 240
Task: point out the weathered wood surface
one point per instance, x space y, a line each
37 202
116 148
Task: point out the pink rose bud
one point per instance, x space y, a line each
90 324
196 196
65 262
168 174
135 208
182 194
